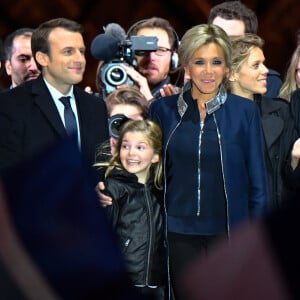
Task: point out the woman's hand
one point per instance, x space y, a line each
295 154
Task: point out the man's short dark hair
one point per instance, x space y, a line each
9 40
235 10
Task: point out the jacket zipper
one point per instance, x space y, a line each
199 168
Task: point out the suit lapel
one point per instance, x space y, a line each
44 101
272 124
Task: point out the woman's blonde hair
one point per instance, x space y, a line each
289 84
201 35
153 134
242 47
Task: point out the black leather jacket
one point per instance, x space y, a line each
137 216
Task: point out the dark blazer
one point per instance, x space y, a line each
292 177
295 108
279 134
30 122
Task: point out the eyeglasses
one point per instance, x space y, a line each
160 51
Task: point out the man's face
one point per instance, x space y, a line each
154 67
231 27
65 64
21 67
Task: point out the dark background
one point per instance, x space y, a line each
278 20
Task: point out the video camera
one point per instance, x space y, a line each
112 73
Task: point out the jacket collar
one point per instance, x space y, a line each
211 105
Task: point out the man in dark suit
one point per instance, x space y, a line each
33 116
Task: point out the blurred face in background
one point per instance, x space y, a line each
231 27
21 66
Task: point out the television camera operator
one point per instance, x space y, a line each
145 57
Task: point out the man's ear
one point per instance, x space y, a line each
42 58
8 67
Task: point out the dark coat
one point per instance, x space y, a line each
292 177
137 216
279 133
274 84
30 122
241 143
295 108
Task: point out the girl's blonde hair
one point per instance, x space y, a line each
153 134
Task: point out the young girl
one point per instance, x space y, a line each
134 181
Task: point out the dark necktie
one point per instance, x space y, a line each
70 120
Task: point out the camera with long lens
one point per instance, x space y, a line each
112 74
115 124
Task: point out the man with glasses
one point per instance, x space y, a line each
19 62
152 74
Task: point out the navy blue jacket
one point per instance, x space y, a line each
241 144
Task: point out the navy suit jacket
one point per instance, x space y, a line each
30 122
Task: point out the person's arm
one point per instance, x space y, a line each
295 154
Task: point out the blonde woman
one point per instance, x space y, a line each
292 78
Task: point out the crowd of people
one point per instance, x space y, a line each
204 139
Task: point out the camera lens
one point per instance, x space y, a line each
116 75
115 124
